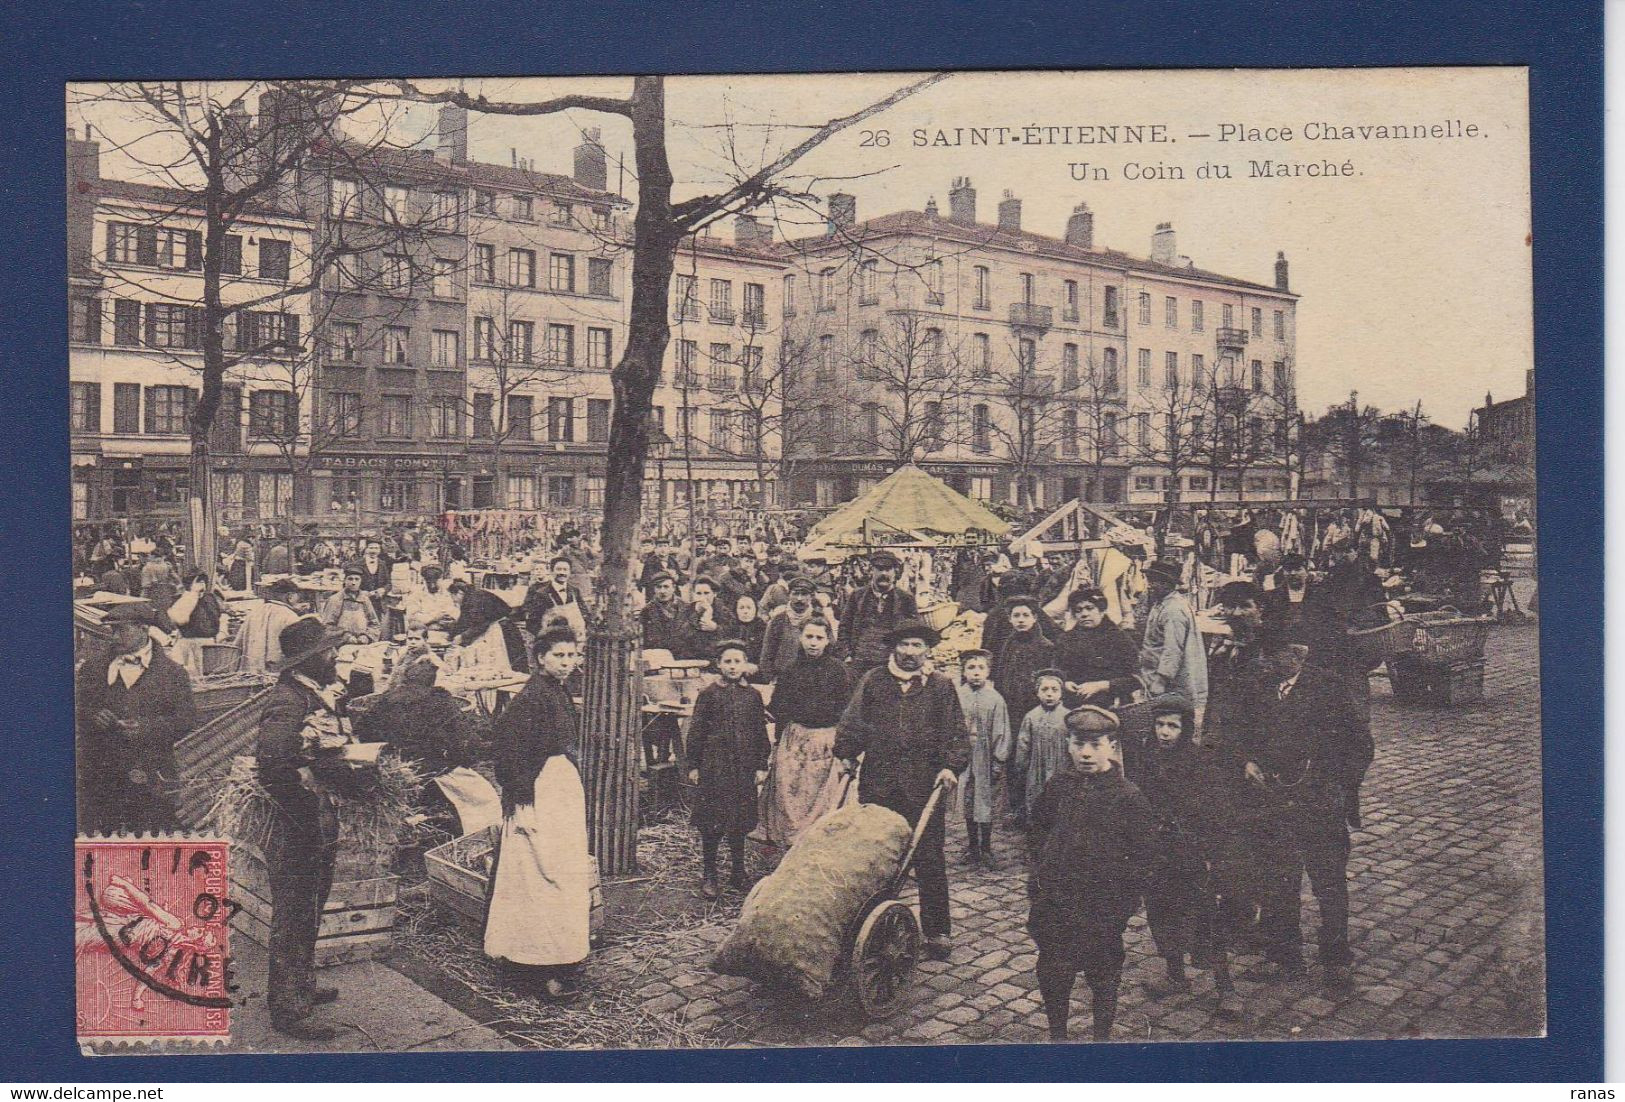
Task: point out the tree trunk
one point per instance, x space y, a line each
610 736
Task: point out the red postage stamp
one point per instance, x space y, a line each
151 949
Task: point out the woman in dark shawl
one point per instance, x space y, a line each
804 779
541 898
486 631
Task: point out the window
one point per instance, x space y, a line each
1280 325
869 354
722 301
721 377
1108 434
1170 375
1142 429
484 407
1278 378
600 351
485 340
871 425
826 290
1143 363
933 282
128 243
869 282
397 344
1170 312
395 415
344 199
521 268
1069 433
274 259
1145 308
984 288
1258 376
561 272
1145 482
688 303
1229 316
81 499
173 326
981 356
826 423
443 208
600 271
789 296
688 357
485 263
485 202
483 495
1258 322
397 273
344 413
231 255
561 424
561 345
755 305
521 491
524 208
981 427
347 272
1026 356
397 203
126 408
85 320
1198 372
1109 370
267 331
933 426
826 360
561 489
1029 288
601 218
271 415
445 278
1069 303
563 215
445 417
394 494
126 322
521 414
598 420
1198 482
1069 367
167 409
720 435
444 350
1196 315
84 407
521 341
932 349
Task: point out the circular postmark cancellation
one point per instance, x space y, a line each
151 939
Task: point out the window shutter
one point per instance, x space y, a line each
292 342
146 245
152 413
112 239
93 321
93 406
245 330
194 250
151 335
231 261
194 327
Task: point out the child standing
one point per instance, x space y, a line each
727 759
988 720
1041 743
1091 844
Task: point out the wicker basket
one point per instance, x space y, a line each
939 616
1447 636
1375 645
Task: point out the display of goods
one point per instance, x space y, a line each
794 923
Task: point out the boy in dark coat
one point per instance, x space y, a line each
727 759
1091 839
1025 651
132 704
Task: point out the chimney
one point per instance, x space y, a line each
84 157
843 211
1080 227
592 163
1162 244
1280 272
452 133
84 172
750 233
962 202
931 207
1010 212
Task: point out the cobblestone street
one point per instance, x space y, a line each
1445 914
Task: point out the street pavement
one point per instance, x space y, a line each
1445 915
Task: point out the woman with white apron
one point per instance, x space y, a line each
538 921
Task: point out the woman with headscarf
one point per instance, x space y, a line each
538 921
805 780
746 624
424 725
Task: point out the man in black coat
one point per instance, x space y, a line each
543 596
303 836
1304 756
868 615
906 723
132 704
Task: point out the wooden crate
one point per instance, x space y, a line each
463 891
356 923
1436 684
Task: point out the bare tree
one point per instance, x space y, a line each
1040 408
1098 402
905 378
1353 436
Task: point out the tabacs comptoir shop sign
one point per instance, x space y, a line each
393 464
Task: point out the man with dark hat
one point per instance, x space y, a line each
262 626
1304 755
1173 658
905 722
132 704
871 613
781 644
668 623
303 712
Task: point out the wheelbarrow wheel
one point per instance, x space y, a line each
884 956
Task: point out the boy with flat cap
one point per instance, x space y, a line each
1091 837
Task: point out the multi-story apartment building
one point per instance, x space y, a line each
135 260
1023 367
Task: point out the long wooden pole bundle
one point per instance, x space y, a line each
611 745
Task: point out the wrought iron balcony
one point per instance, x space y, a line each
1030 316
1230 339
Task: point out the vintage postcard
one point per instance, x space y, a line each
869 559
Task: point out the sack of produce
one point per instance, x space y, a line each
790 929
